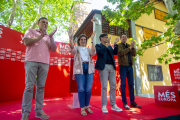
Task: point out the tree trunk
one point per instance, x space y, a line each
38 16
20 21
169 4
11 17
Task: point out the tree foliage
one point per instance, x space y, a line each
130 9
28 12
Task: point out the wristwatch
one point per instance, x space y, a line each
92 42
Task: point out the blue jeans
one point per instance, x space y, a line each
84 82
127 71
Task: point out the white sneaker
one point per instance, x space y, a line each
104 109
116 108
25 117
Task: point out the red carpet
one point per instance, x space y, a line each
57 109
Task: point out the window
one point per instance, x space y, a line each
159 14
155 72
114 30
148 33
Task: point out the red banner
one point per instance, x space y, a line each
175 74
12 73
166 96
73 83
12 55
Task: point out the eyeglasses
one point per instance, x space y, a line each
105 37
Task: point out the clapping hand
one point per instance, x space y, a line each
132 44
108 40
116 40
51 34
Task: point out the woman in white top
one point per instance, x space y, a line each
83 68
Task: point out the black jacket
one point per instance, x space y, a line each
101 52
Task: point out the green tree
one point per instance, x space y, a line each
131 9
23 14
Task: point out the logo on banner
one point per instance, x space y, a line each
64 49
64 46
1 32
167 96
177 74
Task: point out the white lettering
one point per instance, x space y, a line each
167 94
66 46
18 57
13 53
173 95
8 49
7 55
61 46
177 71
161 95
13 59
1 57
2 51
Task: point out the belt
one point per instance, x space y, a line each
85 62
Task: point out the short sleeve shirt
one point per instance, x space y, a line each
39 51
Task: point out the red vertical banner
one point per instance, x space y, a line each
96 89
175 74
12 56
73 84
58 79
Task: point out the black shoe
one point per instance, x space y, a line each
126 106
135 105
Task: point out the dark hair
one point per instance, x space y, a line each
122 35
102 35
42 18
82 35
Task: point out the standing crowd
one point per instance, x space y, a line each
38 45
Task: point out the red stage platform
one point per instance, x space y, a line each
57 109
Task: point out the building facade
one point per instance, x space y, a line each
148 72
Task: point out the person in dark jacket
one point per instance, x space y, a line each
125 61
106 65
